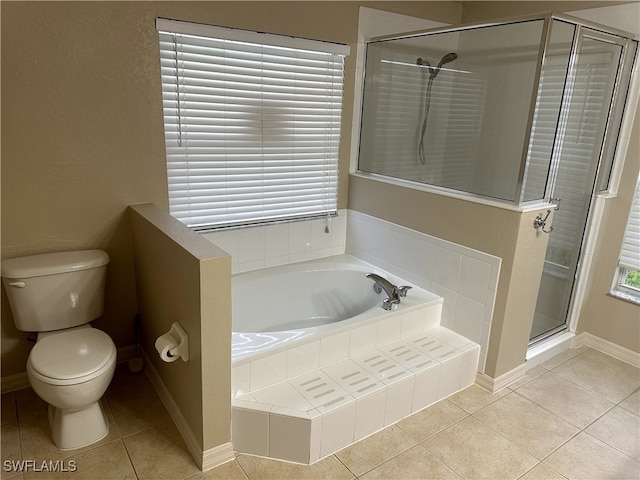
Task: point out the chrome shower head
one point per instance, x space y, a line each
433 71
449 57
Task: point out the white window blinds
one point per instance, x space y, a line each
252 124
630 254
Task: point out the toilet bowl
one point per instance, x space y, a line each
71 370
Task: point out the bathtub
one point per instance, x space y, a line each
317 357
275 307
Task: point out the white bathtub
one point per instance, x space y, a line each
276 306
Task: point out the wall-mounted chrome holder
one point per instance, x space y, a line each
541 222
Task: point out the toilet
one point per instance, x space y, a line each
71 365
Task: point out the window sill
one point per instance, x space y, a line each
627 297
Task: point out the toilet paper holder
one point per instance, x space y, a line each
181 340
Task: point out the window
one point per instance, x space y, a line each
627 281
252 124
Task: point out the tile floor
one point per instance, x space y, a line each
576 416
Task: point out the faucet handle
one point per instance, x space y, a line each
402 291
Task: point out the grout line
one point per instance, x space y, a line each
235 459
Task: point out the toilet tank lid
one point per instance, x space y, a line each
53 263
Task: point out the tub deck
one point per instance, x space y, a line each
307 402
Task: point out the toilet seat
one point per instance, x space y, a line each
72 357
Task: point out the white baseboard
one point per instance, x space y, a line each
206 459
11 383
216 456
503 381
616 351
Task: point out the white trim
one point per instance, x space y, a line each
503 381
206 459
605 346
216 456
11 383
249 36
549 348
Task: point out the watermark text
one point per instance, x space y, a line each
19 466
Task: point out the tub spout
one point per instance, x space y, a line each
393 295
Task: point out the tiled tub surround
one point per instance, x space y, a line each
311 392
312 415
466 279
253 248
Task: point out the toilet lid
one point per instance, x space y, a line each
72 354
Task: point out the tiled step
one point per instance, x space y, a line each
307 417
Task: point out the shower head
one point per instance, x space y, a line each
449 57
433 71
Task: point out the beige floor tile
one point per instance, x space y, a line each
542 472
526 424
136 408
431 420
35 433
258 468
473 398
609 361
529 375
9 449
586 457
475 451
367 454
619 429
108 461
568 401
160 453
632 403
122 378
563 357
416 464
28 404
591 373
228 471
9 411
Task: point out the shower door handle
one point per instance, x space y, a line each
541 222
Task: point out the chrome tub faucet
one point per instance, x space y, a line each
393 293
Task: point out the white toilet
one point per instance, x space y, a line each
71 364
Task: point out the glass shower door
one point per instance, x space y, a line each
587 102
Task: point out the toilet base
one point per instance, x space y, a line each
79 428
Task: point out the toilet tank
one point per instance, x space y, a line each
57 290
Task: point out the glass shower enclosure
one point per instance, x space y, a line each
524 112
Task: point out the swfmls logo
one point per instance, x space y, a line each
40 466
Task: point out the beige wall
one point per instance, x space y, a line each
602 315
82 125
475 11
182 277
